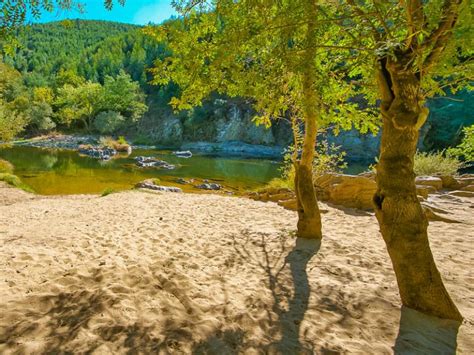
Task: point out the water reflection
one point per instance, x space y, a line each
65 172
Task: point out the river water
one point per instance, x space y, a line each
57 172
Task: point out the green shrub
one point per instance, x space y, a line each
108 191
436 164
5 167
109 122
465 150
328 159
122 140
15 181
11 123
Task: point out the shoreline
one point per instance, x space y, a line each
220 149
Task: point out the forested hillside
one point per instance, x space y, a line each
91 49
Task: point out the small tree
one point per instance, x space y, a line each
81 103
274 53
123 95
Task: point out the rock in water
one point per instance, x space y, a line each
149 184
151 162
97 153
183 154
209 186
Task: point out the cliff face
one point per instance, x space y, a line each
223 121
217 121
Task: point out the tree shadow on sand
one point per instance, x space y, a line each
290 294
423 334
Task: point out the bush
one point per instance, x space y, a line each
465 150
328 159
119 145
5 167
15 181
109 122
11 123
40 116
436 164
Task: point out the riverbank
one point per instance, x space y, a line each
224 149
153 272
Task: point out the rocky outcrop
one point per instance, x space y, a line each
284 197
355 191
433 181
166 131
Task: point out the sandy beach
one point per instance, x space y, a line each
141 272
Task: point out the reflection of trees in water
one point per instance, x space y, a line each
121 170
27 158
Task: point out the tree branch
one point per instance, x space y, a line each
439 38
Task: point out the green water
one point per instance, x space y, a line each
57 172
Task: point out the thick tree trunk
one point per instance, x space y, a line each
403 223
309 217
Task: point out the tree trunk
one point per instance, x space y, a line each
403 223
309 217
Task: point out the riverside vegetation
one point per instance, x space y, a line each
314 65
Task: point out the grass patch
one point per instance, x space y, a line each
108 191
436 164
120 145
281 183
14 181
6 167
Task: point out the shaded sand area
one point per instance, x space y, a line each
140 272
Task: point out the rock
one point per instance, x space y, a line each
291 205
209 186
183 154
465 180
352 191
149 184
433 181
425 190
167 131
433 214
461 193
449 182
151 162
468 188
97 153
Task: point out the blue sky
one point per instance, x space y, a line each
138 12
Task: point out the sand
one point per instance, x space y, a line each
141 272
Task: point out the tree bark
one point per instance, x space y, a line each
403 223
309 217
